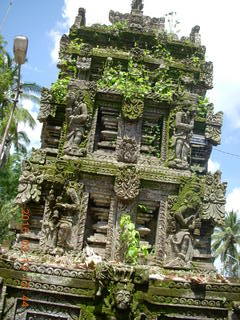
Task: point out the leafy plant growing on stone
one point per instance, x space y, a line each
59 90
130 241
202 108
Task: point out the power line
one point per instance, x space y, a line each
228 153
6 15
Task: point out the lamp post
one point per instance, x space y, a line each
20 50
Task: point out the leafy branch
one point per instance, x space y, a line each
130 241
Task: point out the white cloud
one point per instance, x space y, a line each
233 200
213 166
33 134
55 36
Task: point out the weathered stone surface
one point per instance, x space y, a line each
111 150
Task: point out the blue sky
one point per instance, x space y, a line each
45 21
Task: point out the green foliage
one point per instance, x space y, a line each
160 51
134 82
130 240
75 46
29 91
202 107
9 211
154 136
226 244
59 90
196 61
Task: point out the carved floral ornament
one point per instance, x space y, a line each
132 109
213 127
29 184
214 199
46 108
127 184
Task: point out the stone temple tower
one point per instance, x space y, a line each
118 208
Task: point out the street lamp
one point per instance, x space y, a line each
20 50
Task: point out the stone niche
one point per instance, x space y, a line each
126 131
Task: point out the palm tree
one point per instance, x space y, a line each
30 91
226 244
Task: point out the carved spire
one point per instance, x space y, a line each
137 5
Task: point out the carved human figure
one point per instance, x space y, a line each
184 123
50 232
187 223
181 243
137 5
77 120
64 232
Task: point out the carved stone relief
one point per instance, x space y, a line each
83 65
195 37
77 116
214 199
46 107
184 123
29 184
127 150
213 126
127 184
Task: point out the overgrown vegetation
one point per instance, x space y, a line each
130 241
137 81
133 82
9 211
59 90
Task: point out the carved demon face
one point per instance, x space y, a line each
122 299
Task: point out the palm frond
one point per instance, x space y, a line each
23 115
33 98
32 87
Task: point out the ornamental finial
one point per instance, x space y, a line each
137 5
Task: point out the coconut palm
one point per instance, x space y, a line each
31 91
226 244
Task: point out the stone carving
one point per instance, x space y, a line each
38 156
123 295
29 184
186 215
137 5
195 36
184 123
137 54
77 116
132 109
64 42
127 184
206 75
144 23
57 226
83 65
104 155
80 18
127 150
46 107
213 126
214 199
